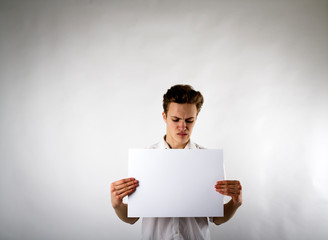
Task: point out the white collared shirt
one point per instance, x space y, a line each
191 228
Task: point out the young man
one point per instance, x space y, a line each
181 105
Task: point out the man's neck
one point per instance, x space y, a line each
173 145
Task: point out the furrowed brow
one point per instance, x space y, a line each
190 118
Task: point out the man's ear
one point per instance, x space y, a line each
164 116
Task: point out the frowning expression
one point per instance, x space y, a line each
180 120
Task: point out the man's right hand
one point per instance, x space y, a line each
122 188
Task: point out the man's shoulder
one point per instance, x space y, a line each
198 146
154 146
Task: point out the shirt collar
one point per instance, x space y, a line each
163 144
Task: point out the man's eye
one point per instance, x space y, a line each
175 120
189 121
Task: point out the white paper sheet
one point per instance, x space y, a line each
175 183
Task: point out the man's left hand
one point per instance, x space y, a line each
230 188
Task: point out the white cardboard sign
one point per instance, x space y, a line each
176 183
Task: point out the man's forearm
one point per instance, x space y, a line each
122 213
229 210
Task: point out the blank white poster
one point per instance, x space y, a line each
175 183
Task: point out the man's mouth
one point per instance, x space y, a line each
182 134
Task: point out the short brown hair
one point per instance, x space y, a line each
182 94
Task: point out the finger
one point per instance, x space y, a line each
228 182
235 195
231 187
228 192
128 188
122 195
123 181
228 188
227 185
124 184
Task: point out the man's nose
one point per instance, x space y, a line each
182 125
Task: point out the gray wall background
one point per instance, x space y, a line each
82 81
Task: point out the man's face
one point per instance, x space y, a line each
180 120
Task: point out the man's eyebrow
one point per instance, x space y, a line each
181 118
